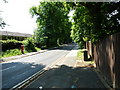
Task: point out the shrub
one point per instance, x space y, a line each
11 52
81 45
10 44
29 45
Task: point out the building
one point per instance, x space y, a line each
13 35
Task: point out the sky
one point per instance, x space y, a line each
16 14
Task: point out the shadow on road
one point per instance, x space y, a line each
67 47
15 72
68 77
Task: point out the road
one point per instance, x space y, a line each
15 71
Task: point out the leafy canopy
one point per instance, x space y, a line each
94 21
53 23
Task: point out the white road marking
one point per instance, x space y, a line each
8 68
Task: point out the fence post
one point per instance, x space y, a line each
117 61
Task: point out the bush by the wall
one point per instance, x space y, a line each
29 45
10 44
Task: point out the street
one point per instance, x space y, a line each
15 71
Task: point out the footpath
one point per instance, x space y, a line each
68 73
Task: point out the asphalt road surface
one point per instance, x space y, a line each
15 71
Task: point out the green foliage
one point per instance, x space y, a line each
11 52
91 22
94 21
37 49
2 23
10 40
53 24
29 45
10 44
81 45
80 54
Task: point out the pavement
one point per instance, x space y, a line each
69 73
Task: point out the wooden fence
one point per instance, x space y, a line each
106 54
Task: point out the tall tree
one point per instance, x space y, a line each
93 21
53 23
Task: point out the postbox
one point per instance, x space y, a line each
22 49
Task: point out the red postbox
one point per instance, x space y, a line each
22 49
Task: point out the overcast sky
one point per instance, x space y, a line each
16 14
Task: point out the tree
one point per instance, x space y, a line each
94 21
82 25
2 23
53 23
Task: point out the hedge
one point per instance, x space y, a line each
10 44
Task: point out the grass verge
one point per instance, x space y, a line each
14 52
80 54
11 52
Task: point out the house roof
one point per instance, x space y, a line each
17 34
